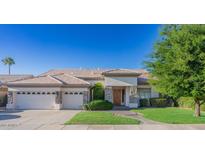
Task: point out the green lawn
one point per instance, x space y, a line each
101 118
171 115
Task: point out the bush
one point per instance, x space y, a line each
98 91
144 102
202 107
159 102
99 105
186 102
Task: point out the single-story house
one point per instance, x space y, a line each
71 88
4 79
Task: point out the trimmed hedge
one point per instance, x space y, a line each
202 107
144 102
99 105
158 102
154 102
186 102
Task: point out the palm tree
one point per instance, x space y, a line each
8 61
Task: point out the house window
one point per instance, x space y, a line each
43 93
144 92
71 93
75 93
38 93
23 92
53 93
33 93
80 93
18 93
48 93
66 93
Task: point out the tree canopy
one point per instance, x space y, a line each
8 61
177 65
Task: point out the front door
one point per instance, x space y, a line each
117 96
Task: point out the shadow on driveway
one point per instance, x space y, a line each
10 111
8 117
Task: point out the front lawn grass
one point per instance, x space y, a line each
171 115
100 118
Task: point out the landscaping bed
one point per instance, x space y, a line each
101 118
171 115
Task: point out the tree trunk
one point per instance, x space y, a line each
9 70
197 108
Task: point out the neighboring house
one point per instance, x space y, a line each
71 88
4 79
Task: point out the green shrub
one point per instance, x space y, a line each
159 102
98 91
202 107
144 102
186 102
99 105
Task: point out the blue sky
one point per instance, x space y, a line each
38 48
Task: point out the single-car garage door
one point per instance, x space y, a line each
32 100
72 100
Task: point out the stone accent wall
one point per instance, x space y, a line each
133 95
85 97
108 94
59 97
134 99
10 97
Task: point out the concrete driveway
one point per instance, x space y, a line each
35 119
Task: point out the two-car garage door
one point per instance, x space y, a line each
35 101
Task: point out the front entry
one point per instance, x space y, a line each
117 96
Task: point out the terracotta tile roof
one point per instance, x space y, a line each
4 79
50 80
70 80
40 80
79 73
77 77
93 73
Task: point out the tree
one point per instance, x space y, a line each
8 61
98 91
177 65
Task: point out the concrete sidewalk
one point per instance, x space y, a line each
136 127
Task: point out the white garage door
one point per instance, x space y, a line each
72 100
29 100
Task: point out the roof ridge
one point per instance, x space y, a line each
53 78
76 78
